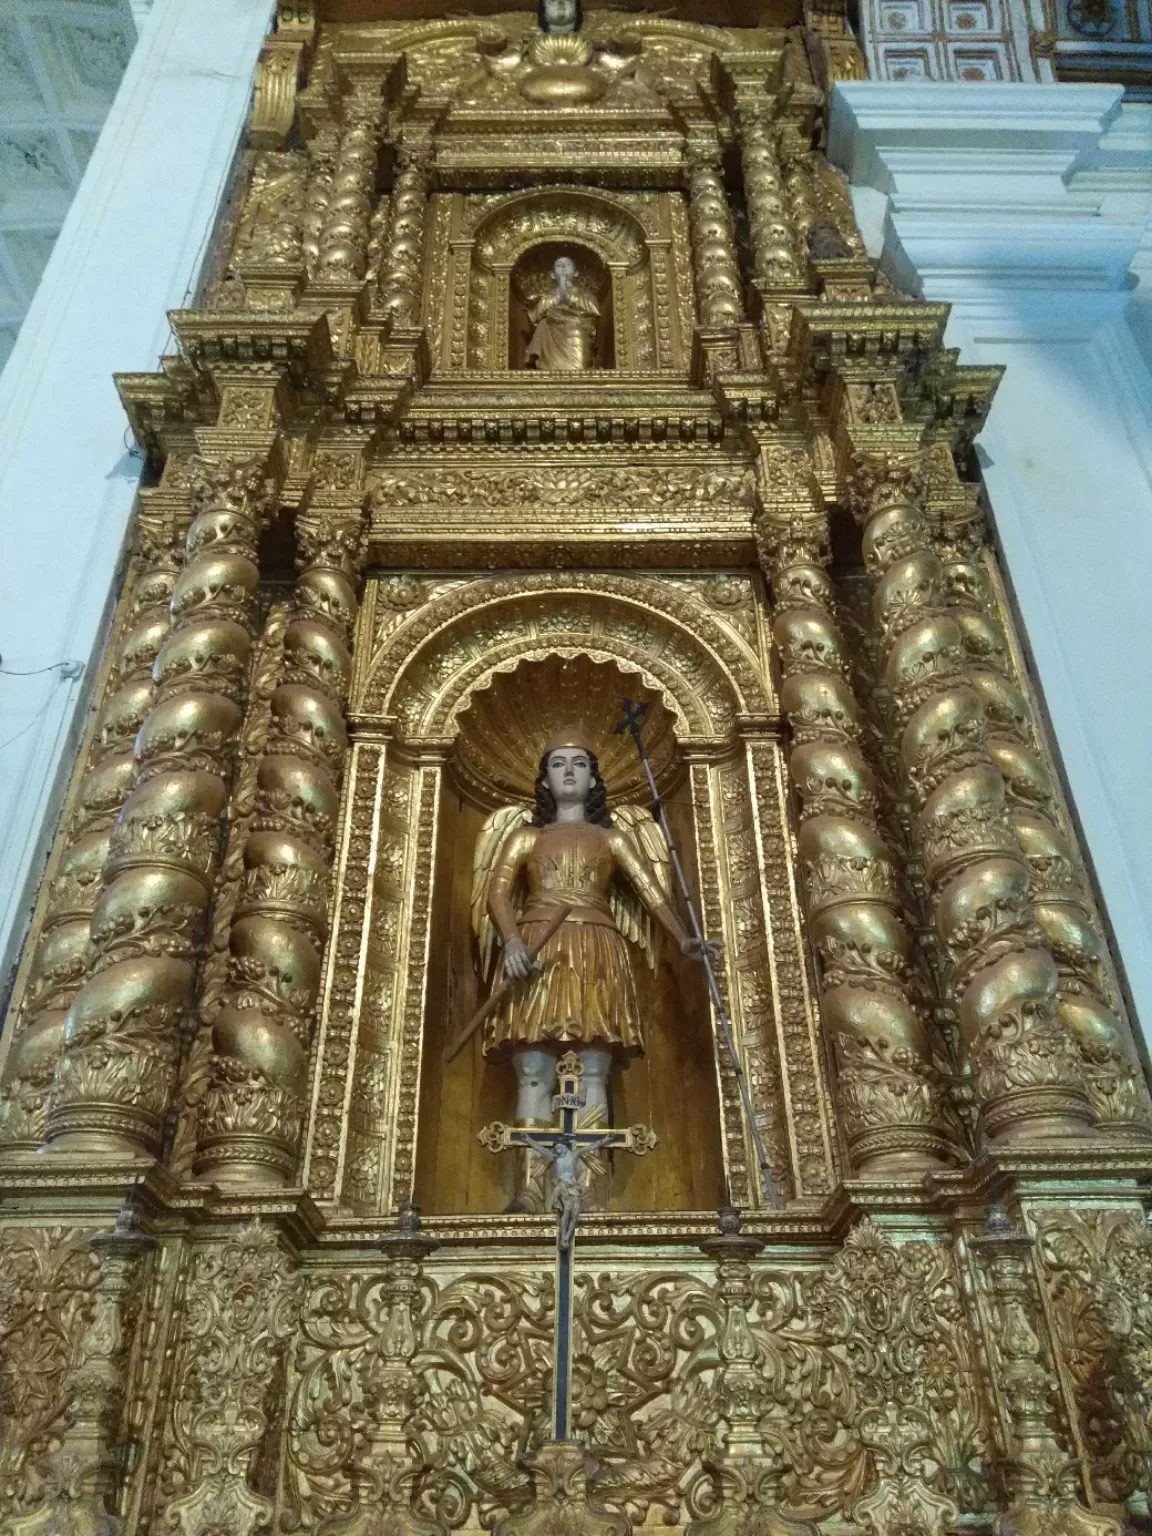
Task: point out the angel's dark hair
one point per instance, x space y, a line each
595 807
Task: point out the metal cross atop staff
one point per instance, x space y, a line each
565 1145
630 724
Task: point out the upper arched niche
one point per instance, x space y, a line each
528 230
427 673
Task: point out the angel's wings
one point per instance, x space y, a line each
628 911
488 845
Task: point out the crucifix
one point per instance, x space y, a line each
565 1145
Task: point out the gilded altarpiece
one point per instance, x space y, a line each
539 365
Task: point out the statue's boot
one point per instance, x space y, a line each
531 1167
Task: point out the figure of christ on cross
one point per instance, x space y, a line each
565 1145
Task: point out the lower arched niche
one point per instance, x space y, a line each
493 762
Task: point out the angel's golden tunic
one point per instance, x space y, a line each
585 991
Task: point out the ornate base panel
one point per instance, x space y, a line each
876 1383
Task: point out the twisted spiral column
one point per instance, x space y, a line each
342 245
890 1093
122 1035
719 297
1117 1091
318 191
63 952
773 247
251 1115
1026 1068
402 269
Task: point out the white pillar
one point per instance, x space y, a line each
998 200
130 249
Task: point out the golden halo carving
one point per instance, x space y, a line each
502 732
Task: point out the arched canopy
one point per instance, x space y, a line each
429 669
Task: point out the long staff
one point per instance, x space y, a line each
633 714
499 993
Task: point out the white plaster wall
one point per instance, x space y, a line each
130 250
1002 201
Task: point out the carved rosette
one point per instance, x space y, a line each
63 952
890 1093
1026 1068
251 1114
1087 1004
719 297
123 1031
401 271
342 245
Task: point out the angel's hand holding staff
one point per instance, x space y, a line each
696 949
519 961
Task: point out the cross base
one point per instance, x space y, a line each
562 1505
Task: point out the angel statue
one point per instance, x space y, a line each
613 872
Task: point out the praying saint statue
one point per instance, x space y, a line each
564 322
612 871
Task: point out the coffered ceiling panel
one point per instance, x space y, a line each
61 62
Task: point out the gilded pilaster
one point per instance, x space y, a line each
390 1391
63 952
1026 1069
123 1032
891 1098
227 1369
748 1474
251 1114
1087 1001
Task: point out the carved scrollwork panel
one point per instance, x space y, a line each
228 1368
864 1384
1097 1271
48 1280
